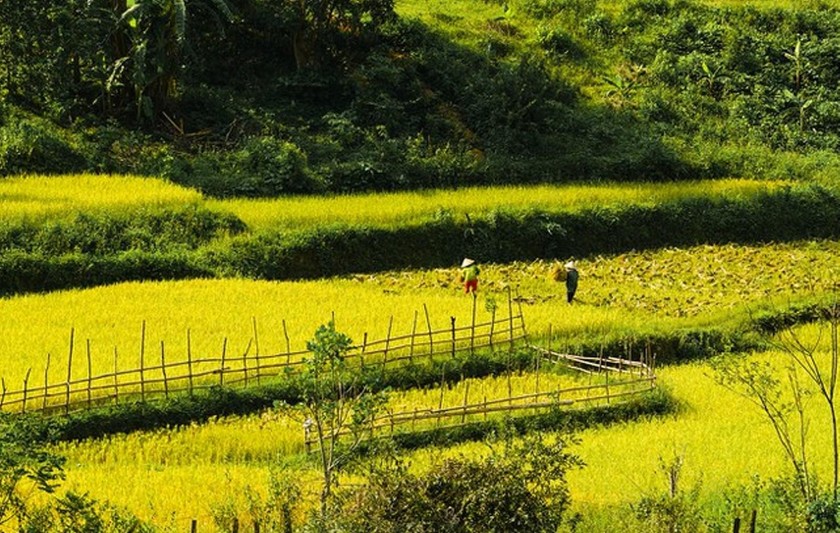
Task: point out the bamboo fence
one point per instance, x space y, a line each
618 380
156 377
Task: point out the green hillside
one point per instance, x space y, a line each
260 98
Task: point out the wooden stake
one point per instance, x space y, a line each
440 402
143 362
3 395
256 348
466 396
89 376
492 326
163 369
69 371
431 340
472 325
46 383
222 367
387 342
452 320
413 334
25 390
245 361
116 379
189 361
288 344
364 347
510 315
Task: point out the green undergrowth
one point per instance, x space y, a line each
87 250
797 212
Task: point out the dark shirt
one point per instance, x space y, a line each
571 280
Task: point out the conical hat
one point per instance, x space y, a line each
570 265
466 262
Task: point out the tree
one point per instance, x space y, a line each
319 25
787 412
336 409
148 46
23 456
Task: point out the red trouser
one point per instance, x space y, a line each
470 286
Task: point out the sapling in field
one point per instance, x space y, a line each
812 368
337 410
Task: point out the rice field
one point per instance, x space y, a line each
43 197
36 198
184 473
174 475
651 290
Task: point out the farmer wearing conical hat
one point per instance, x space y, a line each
469 275
571 280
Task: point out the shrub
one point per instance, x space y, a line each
266 166
31 146
519 488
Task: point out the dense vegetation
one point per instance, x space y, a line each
267 97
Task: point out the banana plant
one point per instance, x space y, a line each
153 36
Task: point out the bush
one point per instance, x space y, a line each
266 166
520 488
29 146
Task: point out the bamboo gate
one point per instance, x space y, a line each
156 377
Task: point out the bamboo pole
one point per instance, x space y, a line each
25 390
69 371
89 372
142 361
3 395
46 382
256 347
163 369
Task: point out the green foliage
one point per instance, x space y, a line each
34 146
87 250
504 236
266 166
520 487
79 513
23 457
676 509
